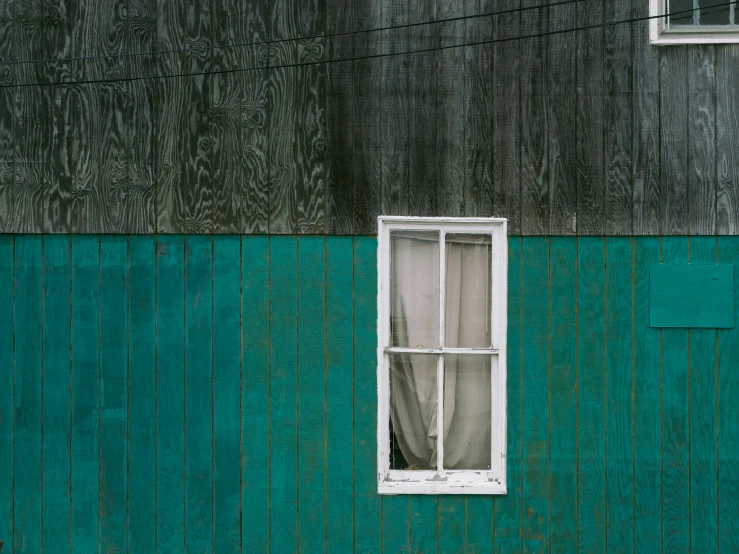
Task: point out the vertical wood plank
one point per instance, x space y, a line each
170 391
563 391
424 523
675 432
396 523
85 392
509 509
199 393
255 388
27 413
534 128
452 524
339 401
646 133
591 383
728 425
727 148
619 394
561 117
112 499
617 89
480 524
142 409
702 140
227 394
535 425
589 121
283 391
7 405
702 410
56 418
311 393
507 116
647 405
674 141
366 501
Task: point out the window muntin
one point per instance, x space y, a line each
441 330
694 21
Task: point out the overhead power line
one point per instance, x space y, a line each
376 56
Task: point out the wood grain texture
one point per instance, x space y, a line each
617 112
85 355
424 524
7 406
112 496
647 405
199 393
563 391
7 158
561 117
171 144
85 151
140 148
702 410
255 387
197 160
727 149
674 141
591 499
27 450
590 118
535 425
227 394
142 407
396 523
728 426
618 396
702 140
452 524
675 421
534 124
170 394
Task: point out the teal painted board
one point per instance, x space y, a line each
226 394
396 523
535 368
283 394
647 406
27 451
113 392
728 423
85 392
339 400
563 391
311 394
452 524
7 405
199 393
255 451
591 389
480 524
56 333
619 388
142 276
675 446
366 500
424 523
509 508
170 390
691 296
702 412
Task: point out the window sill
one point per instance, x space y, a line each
417 487
671 38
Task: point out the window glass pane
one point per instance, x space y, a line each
468 290
467 412
413 408
681 6
414 289
714 13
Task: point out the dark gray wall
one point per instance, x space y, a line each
588 132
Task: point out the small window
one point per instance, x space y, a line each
441 355
693 21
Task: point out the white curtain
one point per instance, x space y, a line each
415 323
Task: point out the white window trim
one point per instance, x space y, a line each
492 481
660 35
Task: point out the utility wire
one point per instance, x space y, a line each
373 56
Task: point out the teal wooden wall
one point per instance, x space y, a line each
217 394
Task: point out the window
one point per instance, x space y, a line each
693 21
442 286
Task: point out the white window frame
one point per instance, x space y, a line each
659 34
491 481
